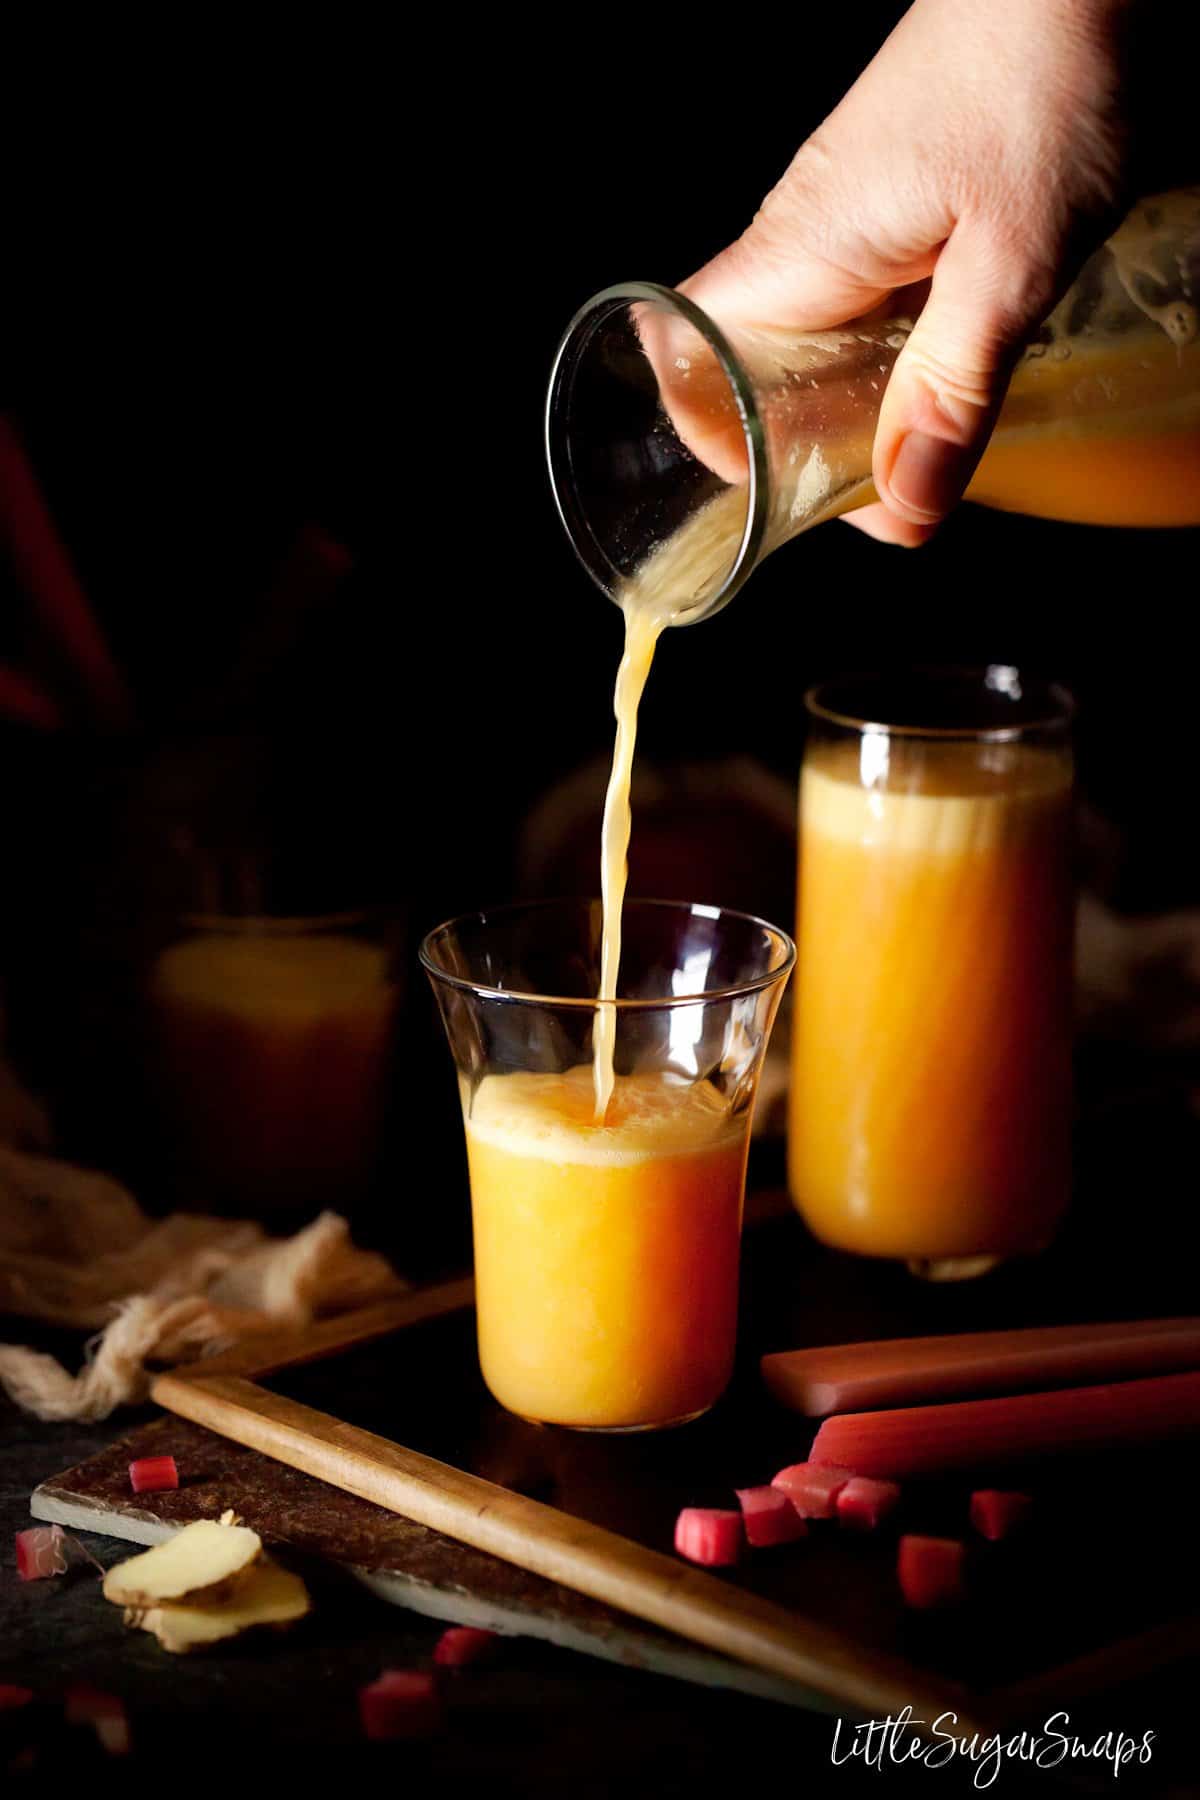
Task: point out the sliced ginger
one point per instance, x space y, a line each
208 1582
205 1563
267 1595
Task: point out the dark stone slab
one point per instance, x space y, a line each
395 1558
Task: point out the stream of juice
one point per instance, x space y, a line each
607 1207
644 625
682 567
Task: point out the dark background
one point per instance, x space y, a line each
323 284
330 292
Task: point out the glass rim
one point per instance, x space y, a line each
1058 715
516 996
572 346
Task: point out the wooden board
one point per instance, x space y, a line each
401 1562
1100 1592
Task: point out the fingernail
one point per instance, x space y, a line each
928 474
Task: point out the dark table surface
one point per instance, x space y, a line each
537 1721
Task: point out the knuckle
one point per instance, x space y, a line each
862 234
958 382
802 209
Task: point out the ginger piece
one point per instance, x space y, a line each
205 1561
269 1595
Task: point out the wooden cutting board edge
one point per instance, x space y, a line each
628 1648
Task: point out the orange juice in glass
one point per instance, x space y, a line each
606 1252
930 1104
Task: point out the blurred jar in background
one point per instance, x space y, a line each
268 1044
270 1039
206 977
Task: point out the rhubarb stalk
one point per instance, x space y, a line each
924 1440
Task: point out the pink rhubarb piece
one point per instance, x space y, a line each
931 1571
105 1713
709 1535
403 1703
995 1512
769 1517
812 1488
461 1645
152 1474
864 1504
41 1552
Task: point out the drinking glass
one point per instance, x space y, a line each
606 1254
930 1103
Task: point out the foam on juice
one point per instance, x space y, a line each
649 1115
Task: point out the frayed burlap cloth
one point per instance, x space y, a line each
77 1250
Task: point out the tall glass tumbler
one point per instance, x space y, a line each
606 1252
930 1105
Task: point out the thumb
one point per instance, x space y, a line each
949 381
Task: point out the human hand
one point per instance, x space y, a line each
982 148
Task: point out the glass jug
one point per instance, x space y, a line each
684 452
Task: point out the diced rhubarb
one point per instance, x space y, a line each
105 1713
931 1571
812 1488
708 1535
12 1698
403 1703
920 1440
41 1552
864 1504
769 1517
462 1644
152 1474
837 1378
995 1512
82 1702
